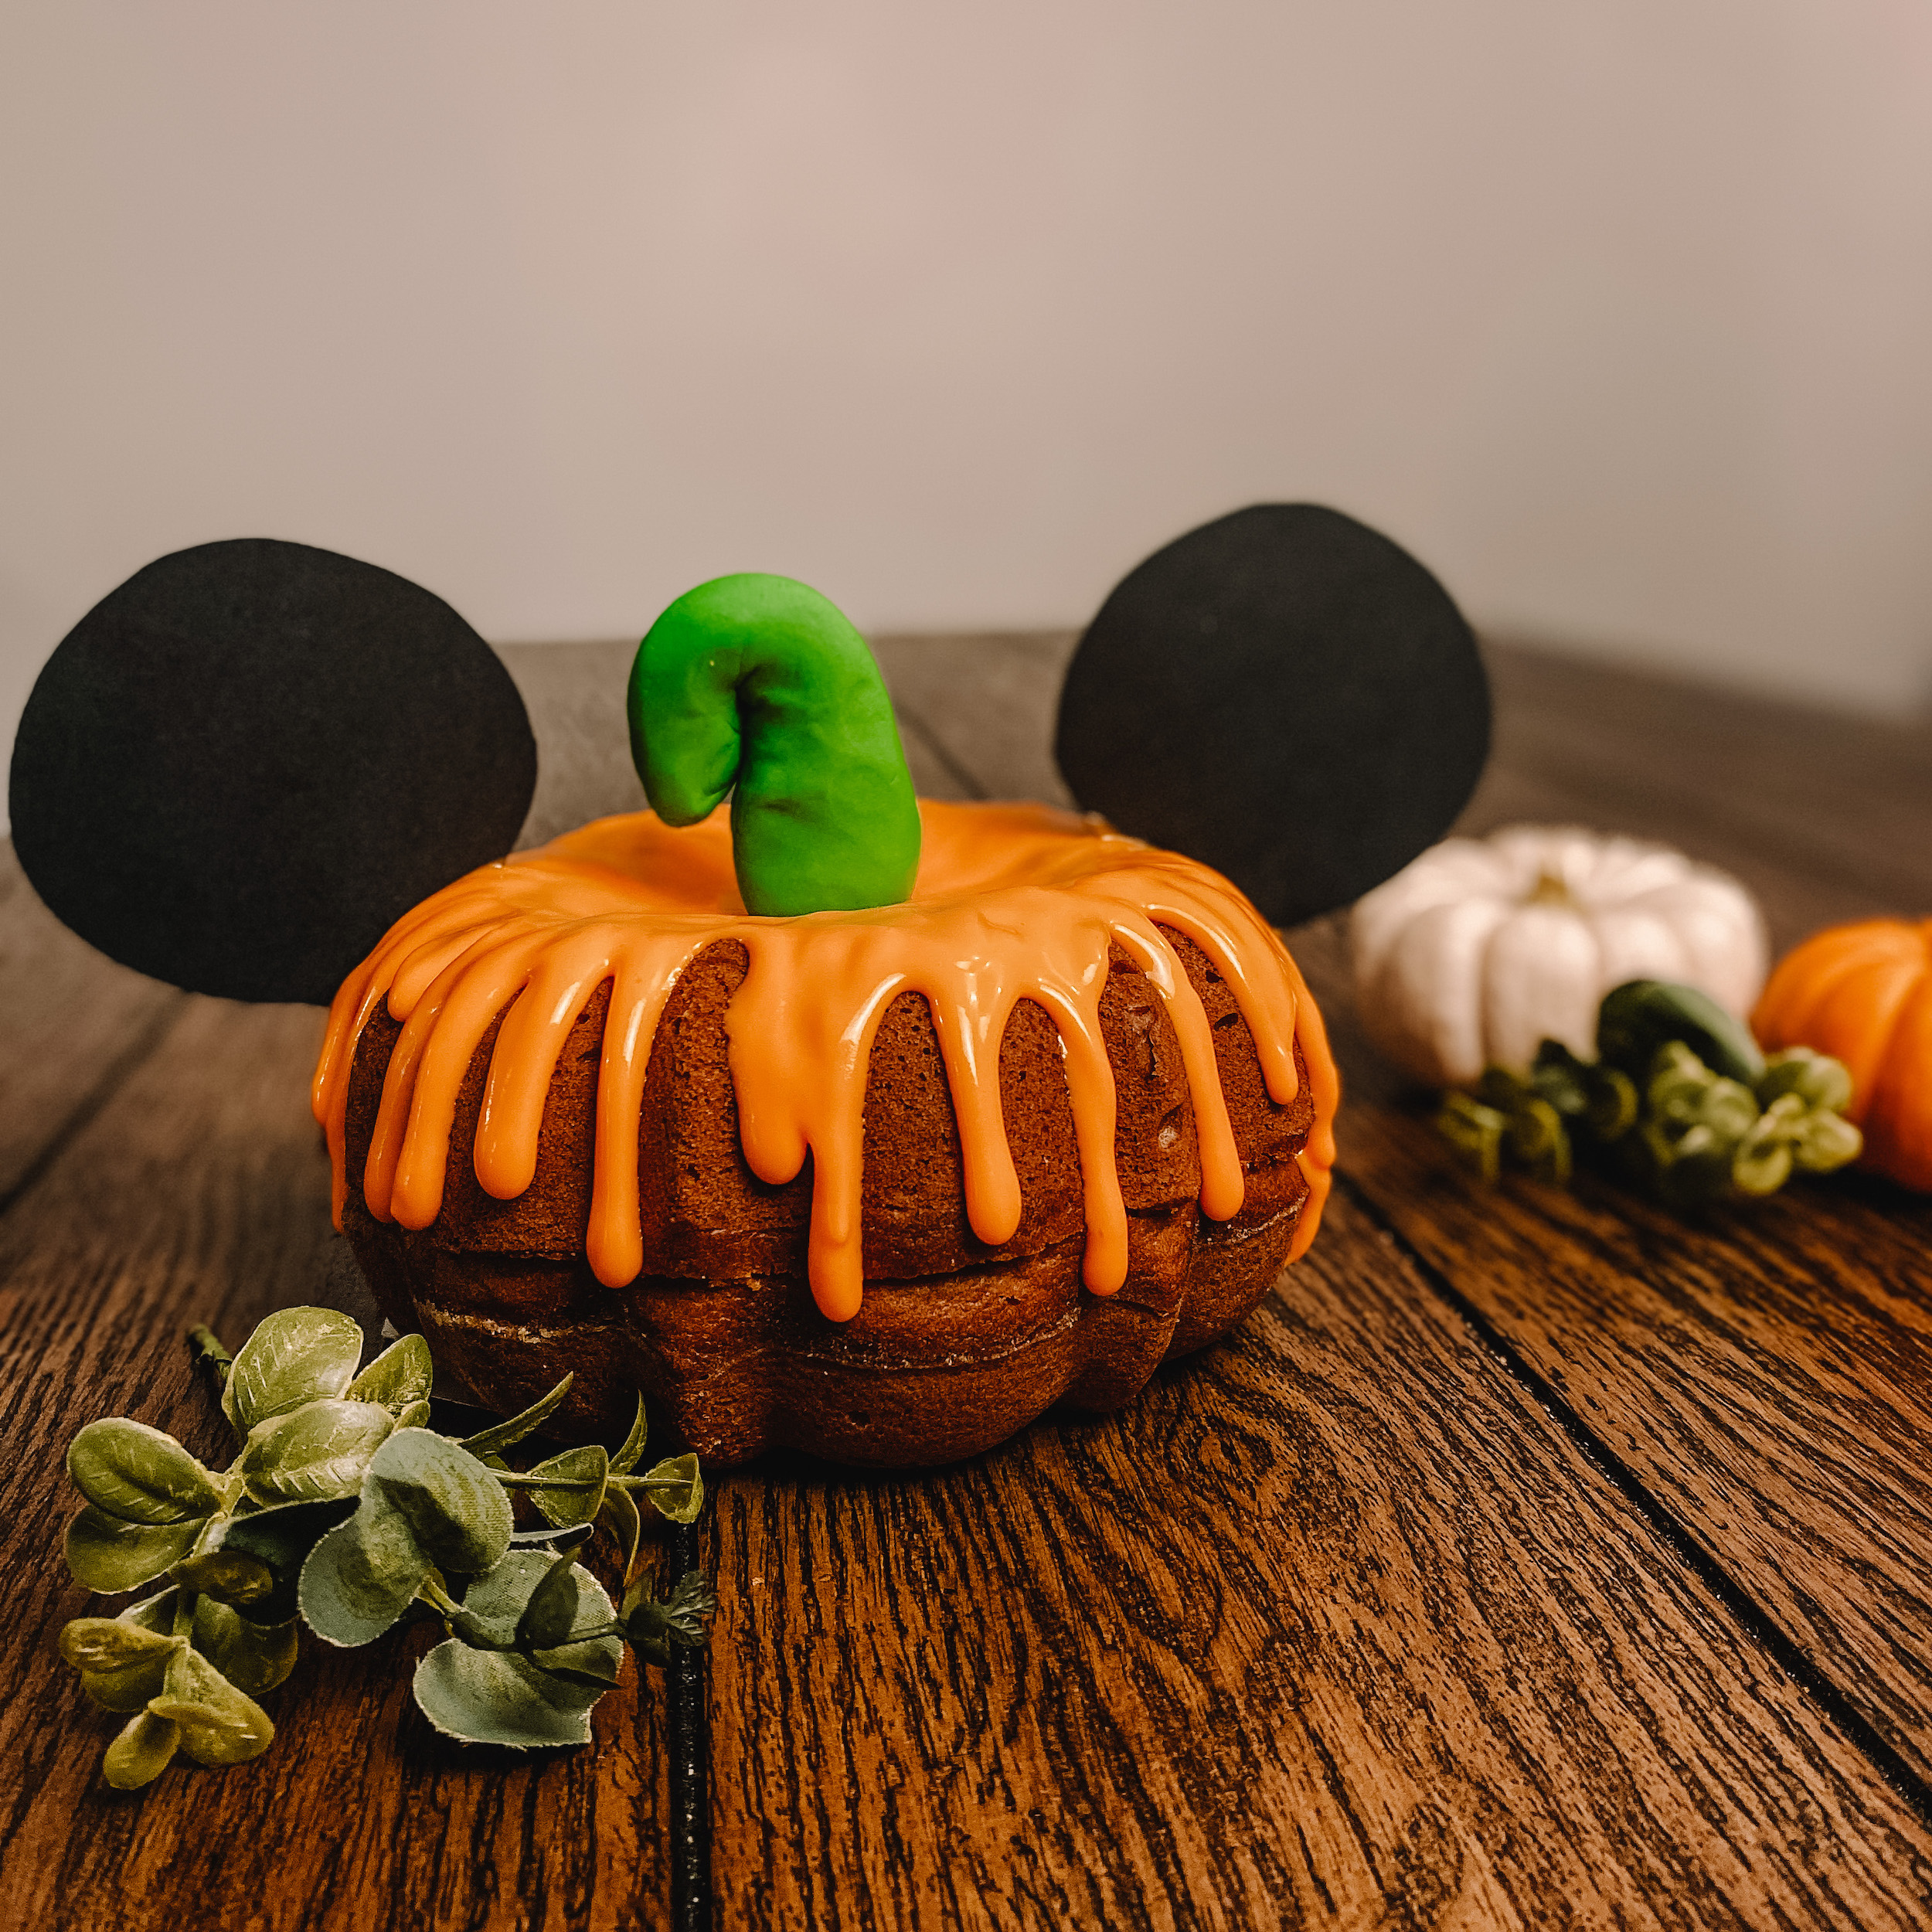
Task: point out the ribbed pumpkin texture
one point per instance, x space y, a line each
1863 994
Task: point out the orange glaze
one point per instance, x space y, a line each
1012 903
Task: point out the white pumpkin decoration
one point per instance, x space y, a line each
1477 952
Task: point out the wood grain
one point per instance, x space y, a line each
1767 1376
200 1191
75 1023
1843 800
985 705
1332 1626
1341 1625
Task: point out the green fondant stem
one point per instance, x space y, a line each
759 683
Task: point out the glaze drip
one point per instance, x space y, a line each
1012 903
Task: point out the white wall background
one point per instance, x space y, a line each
1618 311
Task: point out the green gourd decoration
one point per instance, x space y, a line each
1680 1094
758 688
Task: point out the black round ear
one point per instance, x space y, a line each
243 766
1285 694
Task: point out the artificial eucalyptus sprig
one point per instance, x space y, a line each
1682 1098
345 1510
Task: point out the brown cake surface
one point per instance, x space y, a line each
476 1089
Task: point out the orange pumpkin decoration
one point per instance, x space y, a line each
1863 994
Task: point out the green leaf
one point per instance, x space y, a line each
500 1435
416 1416
1761 1161
126 1686
594 1665
693 1604
156 1612
1641 1015
140 1475
113 1643
219 1724
1538 1139
681 1619
1696 1172
555 1540
106 1554
297 1355
552 1610
399 1378
497 1600
316 1452
455 1506
253 1659
589 1469
1559 1076
1474 1130
361 1577
281 1537
1674 1091
1826 1140
492 1697
124 1691
230 1575
144 1749
1614 1103
675 1487
1760 1167
620 1516
206 1352
626 1459
1503 1088
1815 1078
1729 1109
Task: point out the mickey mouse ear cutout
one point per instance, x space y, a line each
241 767
1285 694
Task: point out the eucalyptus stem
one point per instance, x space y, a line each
209 1355
439 1600
510 1479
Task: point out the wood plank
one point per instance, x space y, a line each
1825 819
1767 1378
987 704
200 1192
574 694
1766 1383
1624 1712
1332 1626
75 1024
1847 799
963 696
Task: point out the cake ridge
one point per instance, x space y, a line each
1013 903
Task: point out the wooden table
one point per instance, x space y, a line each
1529 1558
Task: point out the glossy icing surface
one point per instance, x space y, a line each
1012 903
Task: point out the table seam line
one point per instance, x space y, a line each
1884 1760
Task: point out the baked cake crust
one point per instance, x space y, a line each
955 1341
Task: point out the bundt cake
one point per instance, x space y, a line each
883 1185
834 1123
